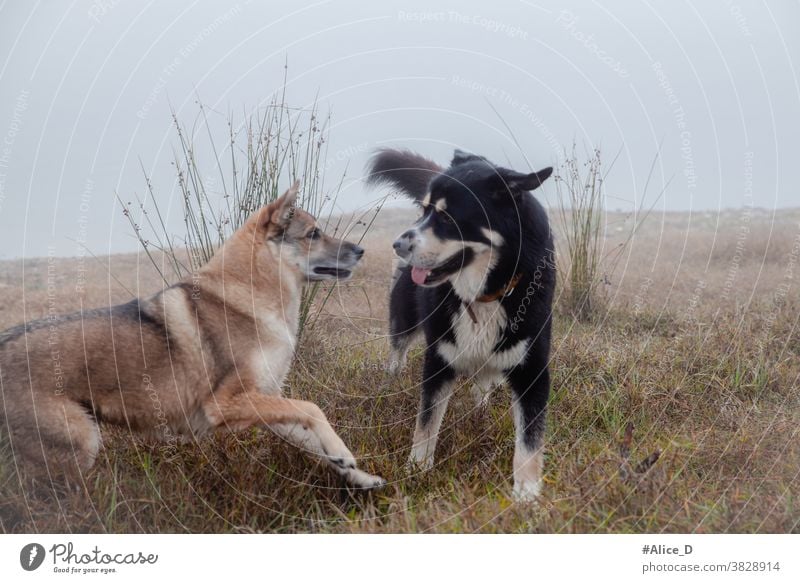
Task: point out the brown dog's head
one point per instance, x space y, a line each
302 244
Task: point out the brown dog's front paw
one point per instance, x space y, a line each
364 481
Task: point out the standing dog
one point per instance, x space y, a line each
209 353
478 280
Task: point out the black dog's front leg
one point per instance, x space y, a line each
530 385
437 386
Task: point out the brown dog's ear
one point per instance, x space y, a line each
276 215
281 210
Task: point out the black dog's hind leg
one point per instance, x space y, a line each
530 385
404 323
437 386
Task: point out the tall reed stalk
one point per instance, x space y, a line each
579 189
269 151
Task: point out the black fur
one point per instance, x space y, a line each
479 195
409 172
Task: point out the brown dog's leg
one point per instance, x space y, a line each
55 439
300 422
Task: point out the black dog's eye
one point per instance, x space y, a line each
445 218
314 234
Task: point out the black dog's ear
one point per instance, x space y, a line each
460 156
517 182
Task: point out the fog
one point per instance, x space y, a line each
87 90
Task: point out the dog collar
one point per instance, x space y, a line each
503 292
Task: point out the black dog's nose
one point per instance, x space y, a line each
402 244
358 251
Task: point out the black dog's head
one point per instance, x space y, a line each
470 212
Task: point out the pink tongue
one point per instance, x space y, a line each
418 275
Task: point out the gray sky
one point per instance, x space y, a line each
86 88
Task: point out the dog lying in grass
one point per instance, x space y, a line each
209 353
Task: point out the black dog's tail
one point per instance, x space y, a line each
406 170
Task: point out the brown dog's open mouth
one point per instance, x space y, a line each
333 272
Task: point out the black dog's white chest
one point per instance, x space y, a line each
475 341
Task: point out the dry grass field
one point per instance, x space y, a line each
695 347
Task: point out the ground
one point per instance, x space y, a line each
692 354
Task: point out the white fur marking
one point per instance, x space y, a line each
179 319
475 342
397 359
483 383
528 463
299 436
493 236
470 281
362 479
273 357
430 251
325 440
425 438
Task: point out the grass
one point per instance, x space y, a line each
251 170
586 261
711 382
579 187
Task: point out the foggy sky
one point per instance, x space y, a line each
86 89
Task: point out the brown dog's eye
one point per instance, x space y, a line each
314 234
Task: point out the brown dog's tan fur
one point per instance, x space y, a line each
206 354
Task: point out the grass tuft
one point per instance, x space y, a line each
579 187
257 161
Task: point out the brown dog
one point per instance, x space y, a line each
208 353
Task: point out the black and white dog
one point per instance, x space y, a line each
477 277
